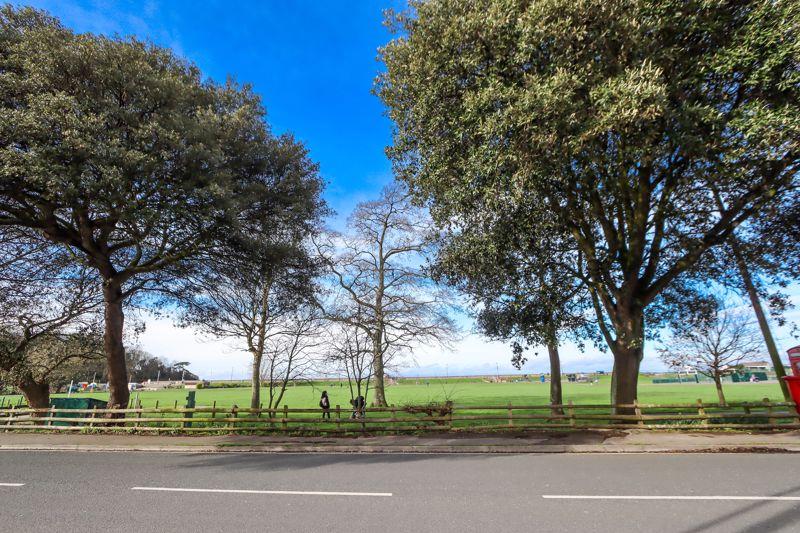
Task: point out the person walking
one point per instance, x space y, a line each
325 404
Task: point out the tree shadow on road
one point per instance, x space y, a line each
265 462
773 523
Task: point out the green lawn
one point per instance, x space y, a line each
471 393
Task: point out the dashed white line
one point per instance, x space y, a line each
247 491
12 484
634 497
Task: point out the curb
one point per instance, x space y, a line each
410 449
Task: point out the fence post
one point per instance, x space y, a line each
364 419
638 412
571 413
190 404
510 415
285 422
94 414
10 415
772 421
701 411
338 418
232 422
450 416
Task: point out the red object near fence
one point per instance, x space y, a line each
794 381
794 360
794 390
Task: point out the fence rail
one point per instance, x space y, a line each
764 415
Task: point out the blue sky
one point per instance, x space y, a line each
314 64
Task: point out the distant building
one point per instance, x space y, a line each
757 366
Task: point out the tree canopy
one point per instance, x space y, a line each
124 153
49 313
612 118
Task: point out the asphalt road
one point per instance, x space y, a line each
66 491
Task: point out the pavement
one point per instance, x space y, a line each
612 441
330 493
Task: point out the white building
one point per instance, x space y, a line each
757 366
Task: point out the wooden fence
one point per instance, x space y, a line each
765 415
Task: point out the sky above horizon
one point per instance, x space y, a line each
314 64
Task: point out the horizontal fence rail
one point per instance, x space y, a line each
765 415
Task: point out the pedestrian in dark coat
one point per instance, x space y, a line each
325 404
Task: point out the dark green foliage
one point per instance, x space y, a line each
125 154
608 122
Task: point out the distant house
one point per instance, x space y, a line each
196 384
757 366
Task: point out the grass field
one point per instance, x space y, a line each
466 393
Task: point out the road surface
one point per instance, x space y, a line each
135 491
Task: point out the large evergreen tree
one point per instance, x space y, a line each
125 154
616 117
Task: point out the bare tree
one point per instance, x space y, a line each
250 301
383 287
350 351
291 352
265 271
713 346
48 312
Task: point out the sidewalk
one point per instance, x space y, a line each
629 441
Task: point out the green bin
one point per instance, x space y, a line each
74 403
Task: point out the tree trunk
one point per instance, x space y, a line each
258 350
555 378
255 382
755 302
628 352
720 394
37 394
114 346
626 378
377 369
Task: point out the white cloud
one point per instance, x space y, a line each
473 355
210 358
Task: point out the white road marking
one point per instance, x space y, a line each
12 484
245 491
612 497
